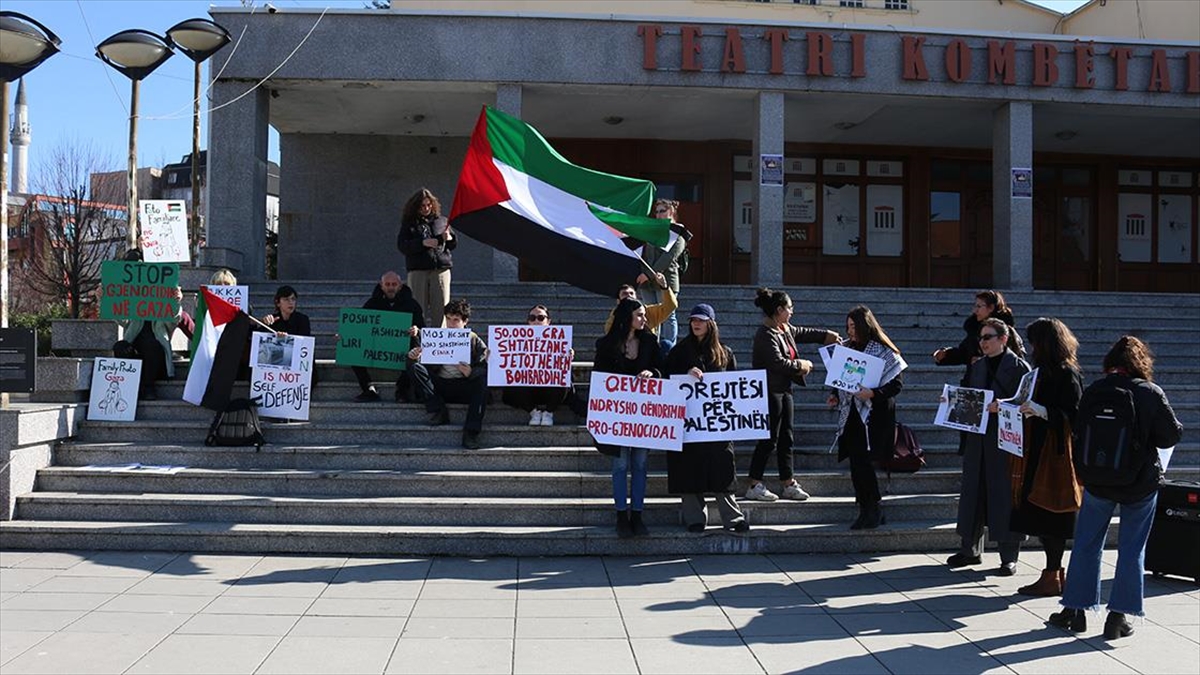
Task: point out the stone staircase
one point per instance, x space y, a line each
374 479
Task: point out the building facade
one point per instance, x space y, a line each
807 144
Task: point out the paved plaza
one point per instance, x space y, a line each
116 612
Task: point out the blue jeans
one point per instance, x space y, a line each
668 334
1082 590
620 468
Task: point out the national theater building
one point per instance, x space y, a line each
909 143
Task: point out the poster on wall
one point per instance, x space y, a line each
771 170
800 203
840 225
1174 228
1133 227
114 393
281 374
164 230
743 214
885 220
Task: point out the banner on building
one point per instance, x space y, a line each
638 412
373 338
139 290
164 234
281 374
445 346
529 356
725 406
964 409
114 393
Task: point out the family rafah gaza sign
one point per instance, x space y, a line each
139 290
529 356
638 412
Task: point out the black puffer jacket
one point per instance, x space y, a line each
411 242
969 347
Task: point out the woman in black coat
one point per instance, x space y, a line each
628 348
988 304
1055 401
877 439
703 467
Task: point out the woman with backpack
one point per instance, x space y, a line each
1123 419
1049 413
867 419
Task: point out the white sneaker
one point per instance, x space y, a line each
794 491
547 418
760 493
535 418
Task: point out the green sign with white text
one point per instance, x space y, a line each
373 338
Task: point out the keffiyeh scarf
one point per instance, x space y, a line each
893 364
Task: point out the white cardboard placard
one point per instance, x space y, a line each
281 377
964 409
114 393
164 232
238 296
636 412
445 346
725 406
529 356
847 368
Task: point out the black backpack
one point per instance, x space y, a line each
237 424
1107 448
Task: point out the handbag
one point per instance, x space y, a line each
907 454
1055 487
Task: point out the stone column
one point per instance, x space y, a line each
1012 216
508 101
237 179
766 239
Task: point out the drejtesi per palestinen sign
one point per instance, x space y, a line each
576 225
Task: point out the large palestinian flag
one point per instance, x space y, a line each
223 335
517 194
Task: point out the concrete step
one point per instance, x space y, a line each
435 483
445 511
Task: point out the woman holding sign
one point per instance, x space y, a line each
1055 401
703 467
628 348
539 402
876 439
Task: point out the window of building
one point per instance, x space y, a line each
851 3
172 178
806 2
895 4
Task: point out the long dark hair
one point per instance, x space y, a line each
1053 344
867 328
709 347
1132 356
770 301
412 208
621 324
995 300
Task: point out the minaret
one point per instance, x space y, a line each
20 141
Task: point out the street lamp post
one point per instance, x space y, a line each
198 39
135 53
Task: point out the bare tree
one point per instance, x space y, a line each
72 223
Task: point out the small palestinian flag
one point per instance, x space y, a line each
222 337
175 207
517 194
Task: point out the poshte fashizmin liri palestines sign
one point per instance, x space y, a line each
373 338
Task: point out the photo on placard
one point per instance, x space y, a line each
964 409
274 351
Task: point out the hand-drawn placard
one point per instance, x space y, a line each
138 290
281 379
238 296
728 406
114 393
529 356
164 230
445 346
964 409
373 338
848 369
1011 429
636 412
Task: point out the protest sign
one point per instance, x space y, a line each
964 409
847 369
445 346
529 356
164 230
1011 429
114 393
639 412
138 290
238 296
728 406
373 338
281 378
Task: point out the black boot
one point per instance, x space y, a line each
872 517
624 531
635 521
1073 620
862 516
1117 626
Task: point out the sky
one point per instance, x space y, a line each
75 97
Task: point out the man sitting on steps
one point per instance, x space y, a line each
457 383
390 295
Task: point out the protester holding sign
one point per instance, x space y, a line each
456 383
703 467
539 402
986 493
1049 417
628 348
867 418
775 351
147 334
285 319
391 295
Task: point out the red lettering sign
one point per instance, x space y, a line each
650 33
858 55
1045 68
1085 53
914 58
1160 77
820 54
734 60
1120 57
958 60
776 36
689 35
1193 72
1002 61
